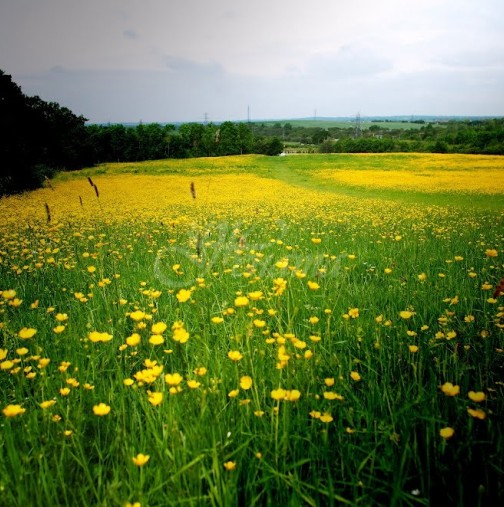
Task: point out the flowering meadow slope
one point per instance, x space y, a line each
248 331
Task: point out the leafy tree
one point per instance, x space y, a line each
36 137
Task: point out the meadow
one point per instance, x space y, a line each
301 330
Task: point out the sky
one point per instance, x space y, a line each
216 60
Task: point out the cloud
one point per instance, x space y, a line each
191 68
130 34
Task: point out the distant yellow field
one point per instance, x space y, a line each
428 173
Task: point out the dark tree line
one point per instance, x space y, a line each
36 137
118 143
473 137
454 136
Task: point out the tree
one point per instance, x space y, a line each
36 138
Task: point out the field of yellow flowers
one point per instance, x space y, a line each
255 331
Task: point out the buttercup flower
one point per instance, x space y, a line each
101 409
13 410
140 459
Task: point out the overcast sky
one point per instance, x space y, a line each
179 60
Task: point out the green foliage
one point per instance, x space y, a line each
36 137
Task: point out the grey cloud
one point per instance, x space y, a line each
130 34
183 66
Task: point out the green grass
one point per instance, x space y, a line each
382 446
325 124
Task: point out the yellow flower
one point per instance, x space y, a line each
313 320
330 395
476 413
491 252
156 339
180 335
128 381
15 302
241 301
200 371
259 323
61 317
47 404
158 328
235 355
91 269
155 398
9 294
422 277
3 353
353 312
282 264
96 336
447 432
193 384
140 459
406 314
278 394
133 340
255 296
64 391
13 410
477 397
355 376
326 417
413 348
230 466
246 382
26 333
449 389
22 351
183 295
234 393
313 285
101 409
137 316
316 241
59 329
173 379
217 320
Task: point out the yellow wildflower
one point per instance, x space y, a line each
235 355
449 389
26 333
101 409
140 459
13 410
447 432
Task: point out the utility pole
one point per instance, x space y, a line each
358 131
